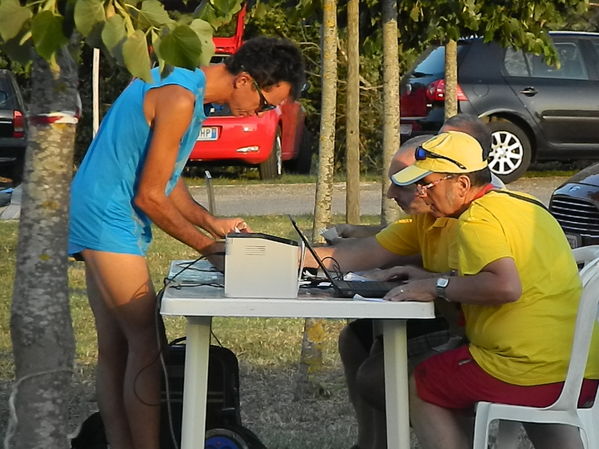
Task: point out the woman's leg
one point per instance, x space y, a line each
124 302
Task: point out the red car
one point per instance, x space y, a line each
276 136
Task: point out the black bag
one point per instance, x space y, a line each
91 434
223 416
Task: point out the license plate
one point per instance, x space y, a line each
208 133
573 240
405 128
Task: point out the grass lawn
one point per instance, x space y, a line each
268 351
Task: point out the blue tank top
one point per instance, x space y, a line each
102 215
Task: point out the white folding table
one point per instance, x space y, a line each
189 295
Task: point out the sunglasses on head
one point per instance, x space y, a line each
421 154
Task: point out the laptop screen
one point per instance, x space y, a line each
311 249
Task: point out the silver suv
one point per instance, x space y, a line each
534 111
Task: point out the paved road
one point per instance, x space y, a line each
298 199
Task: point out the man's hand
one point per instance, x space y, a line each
346 231
219 227
215 254
421 290
399 273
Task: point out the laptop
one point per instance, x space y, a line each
347 289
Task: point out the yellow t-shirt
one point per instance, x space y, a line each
421 234
526 342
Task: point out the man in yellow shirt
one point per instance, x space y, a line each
517 282
421 239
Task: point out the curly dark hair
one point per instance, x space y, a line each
269 61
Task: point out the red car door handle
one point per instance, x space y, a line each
529 91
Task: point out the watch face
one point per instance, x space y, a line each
442 282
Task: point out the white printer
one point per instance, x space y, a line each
261 266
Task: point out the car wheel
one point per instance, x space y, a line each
272 167
303 162
510 150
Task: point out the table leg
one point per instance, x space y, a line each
396 384
195 386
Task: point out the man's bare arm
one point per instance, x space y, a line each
200 216
358 255
497 283
169 110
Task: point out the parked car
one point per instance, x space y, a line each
266 141
13 127
534 111
575 205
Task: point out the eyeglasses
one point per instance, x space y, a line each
422 153
264 104
422 189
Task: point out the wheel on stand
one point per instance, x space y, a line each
237 437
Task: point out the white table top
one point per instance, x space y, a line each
188 296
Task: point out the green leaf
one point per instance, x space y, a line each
225 6
12 18
136 56
181 47
46 30
415 13
154 13
18 51
260 11
114 35
88 15
204 31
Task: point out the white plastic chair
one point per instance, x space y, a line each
564 410
509 431
584 255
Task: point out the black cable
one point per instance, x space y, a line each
167 387
335 267
189 266
160 331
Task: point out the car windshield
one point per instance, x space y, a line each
434 62
217 110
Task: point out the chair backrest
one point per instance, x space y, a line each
585 322
584 255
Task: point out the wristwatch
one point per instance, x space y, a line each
440 287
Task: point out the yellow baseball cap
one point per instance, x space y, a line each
449 152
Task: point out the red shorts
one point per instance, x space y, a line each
454 380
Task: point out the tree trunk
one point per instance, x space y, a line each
352 113
311 356
41 328
324 186
391 138
451 78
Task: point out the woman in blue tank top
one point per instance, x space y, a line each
130 179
